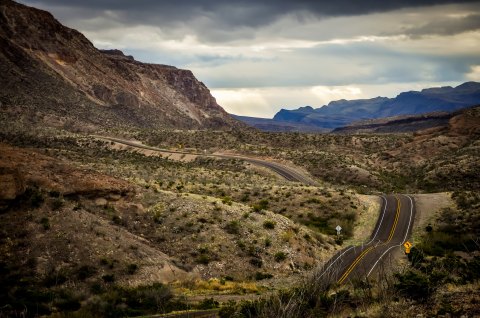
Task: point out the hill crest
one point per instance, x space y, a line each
71 80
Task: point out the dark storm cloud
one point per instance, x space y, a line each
247 13
449 26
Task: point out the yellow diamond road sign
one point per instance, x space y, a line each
407 246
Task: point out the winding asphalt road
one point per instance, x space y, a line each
284 171
393 227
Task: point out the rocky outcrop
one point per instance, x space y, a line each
117 53
49 69
12 186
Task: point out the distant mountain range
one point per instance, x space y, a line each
344 112
52 75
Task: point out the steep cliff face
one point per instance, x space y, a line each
71 79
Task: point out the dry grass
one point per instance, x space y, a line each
215 286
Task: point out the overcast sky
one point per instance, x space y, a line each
260 56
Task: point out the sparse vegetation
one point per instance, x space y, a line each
227 218
280 256
269 224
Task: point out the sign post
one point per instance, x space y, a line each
339 229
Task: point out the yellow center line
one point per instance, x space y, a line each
367 250
397 215
355 262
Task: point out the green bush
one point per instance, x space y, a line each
260 206
256 261
233 227
54 277
57 203
108 278
228 310
261 276
85 272
268 242
269 224
45 222
203 259
414 285
132 268
208 303
280 256
34 197
227 200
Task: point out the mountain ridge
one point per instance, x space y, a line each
72 81
343 112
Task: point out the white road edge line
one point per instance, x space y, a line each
374 236
404 239
381 220
348 249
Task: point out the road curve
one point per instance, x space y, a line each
393 227
286 172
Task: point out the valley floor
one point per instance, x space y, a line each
87 223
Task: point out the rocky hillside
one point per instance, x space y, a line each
344 112
52 74
443 157
398 124
267 124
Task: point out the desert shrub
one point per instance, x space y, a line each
66 301
85 272
157 212
203 259
108 278
228 309
121 302
414 285
227 200
245 197
228 278
118 220
280 256
96 288
54 277
268 242
260 206
132 268
202 220
313 201
472 270
256 261
208 303
269 224
54 193
57 203
233 227
261 276
33 196
241 245
45 222
416 256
